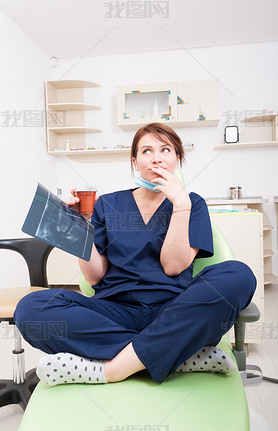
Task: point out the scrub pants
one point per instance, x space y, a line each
164 333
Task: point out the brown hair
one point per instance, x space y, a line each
164 134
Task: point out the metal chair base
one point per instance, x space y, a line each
251 378
18 393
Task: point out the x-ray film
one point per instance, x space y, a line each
52 221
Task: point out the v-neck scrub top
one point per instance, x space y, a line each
133 247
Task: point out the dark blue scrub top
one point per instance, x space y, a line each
133 248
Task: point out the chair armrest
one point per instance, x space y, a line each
250 313
35 254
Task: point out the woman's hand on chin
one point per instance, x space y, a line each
172 188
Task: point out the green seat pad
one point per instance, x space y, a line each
183 402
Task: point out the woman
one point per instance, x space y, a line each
148 311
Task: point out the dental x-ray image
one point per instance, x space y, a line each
52 221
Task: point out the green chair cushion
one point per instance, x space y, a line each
183 402
221 248
85 287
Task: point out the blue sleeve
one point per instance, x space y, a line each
200 233
98 221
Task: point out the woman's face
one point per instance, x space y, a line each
152 152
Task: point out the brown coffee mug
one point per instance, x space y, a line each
87 200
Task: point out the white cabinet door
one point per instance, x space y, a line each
146 103
243 232
198 103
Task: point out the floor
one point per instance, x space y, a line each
262 398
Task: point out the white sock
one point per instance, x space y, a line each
208 359
68 368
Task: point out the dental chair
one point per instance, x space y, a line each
190 401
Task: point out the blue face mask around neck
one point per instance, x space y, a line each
141 182
146 184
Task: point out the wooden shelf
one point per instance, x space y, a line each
91 152
73 106
73 83
268 253
94 152
66 106
243 201
188 148
267 227
247 145
264 138
259 118
75 129
269 278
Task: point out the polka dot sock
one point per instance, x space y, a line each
68 368
208 359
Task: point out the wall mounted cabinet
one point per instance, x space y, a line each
178 104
